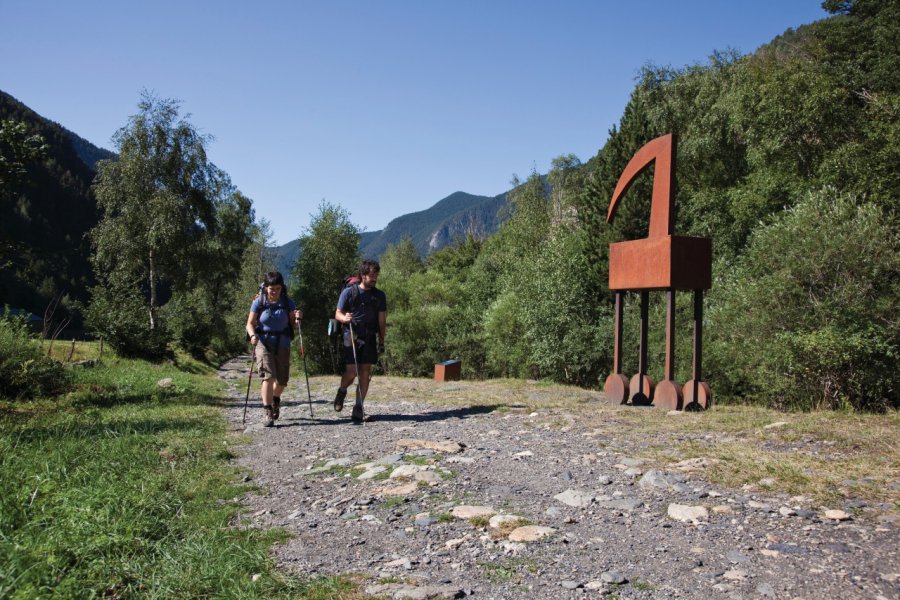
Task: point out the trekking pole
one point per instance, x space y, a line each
247 399
355 362
305 370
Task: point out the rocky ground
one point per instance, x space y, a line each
428 501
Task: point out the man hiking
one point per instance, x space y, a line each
362 308
270 325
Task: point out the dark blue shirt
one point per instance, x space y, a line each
366 307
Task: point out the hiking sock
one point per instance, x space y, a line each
276 407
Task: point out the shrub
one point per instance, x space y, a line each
808 315
121 316
24 370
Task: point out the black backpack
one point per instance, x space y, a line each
335 328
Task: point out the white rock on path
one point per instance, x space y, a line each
500 520
576 498
530 533
399 490
837 515
684 513
429 477
471 512
405 472
372 472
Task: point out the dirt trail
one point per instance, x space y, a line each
409 502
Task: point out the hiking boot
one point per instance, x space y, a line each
357 415
276 407
269 420
339 399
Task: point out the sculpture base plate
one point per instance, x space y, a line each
703 399
641 391
667 395
616 389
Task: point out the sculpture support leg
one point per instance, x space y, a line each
698 335
616 386
670 334
617 333
642 358
668 393
641 385
697 394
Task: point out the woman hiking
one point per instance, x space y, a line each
270 325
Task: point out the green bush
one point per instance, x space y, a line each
807 318
121 317
25 372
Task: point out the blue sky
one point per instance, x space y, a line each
382 107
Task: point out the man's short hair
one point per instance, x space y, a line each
369 267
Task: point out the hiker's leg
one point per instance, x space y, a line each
365 375
349 375
267 391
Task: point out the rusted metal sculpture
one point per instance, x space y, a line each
661 261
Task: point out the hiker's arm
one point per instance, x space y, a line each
296 315
251 327
342 317
382 325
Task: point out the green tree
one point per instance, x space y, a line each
398 264
17 149
159 200
329 251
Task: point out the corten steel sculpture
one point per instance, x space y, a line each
661 261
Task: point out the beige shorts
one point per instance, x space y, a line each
275 365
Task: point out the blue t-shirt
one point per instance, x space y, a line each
366 307
273 319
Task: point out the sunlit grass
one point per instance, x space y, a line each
122 488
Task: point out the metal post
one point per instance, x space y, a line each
670 335
617 334
642 358
698 341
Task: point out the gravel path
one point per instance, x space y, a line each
426 501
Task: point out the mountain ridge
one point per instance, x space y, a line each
431 229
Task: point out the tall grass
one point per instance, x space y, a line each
122 489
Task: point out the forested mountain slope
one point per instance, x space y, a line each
47 210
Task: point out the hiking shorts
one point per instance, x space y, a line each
275 364
366 350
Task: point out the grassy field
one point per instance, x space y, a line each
828 457
123 489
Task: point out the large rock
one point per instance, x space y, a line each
400 490
657 480
692 514
472 512
576 498
501 520
372 472
530 533
405 472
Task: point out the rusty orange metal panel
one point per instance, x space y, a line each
665 262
